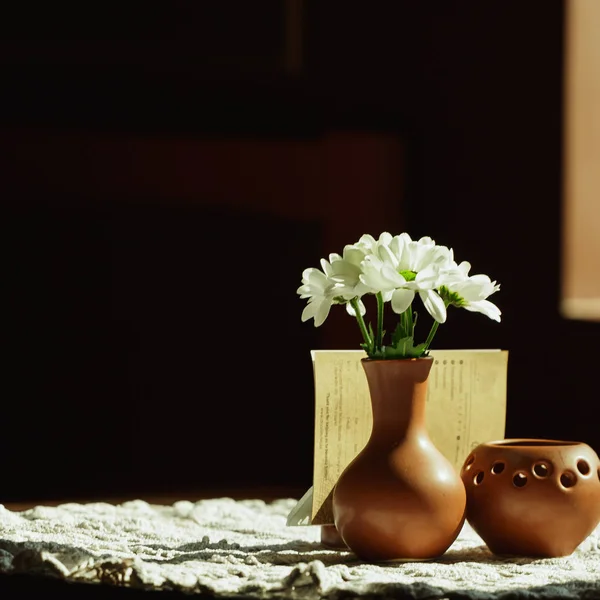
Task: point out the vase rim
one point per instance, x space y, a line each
530 443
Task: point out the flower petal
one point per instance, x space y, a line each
304 291
387 296
372 275
401 300
322 312
395 279
464 267
485 307
310 310
387 256
434 304
350 309
427 278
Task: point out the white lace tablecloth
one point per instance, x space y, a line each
227 548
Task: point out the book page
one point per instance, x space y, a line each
466 405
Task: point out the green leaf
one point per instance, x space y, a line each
404 348
399 334
372 338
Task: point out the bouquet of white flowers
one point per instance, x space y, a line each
395 269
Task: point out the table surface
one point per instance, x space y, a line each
468 561
30 586
266 493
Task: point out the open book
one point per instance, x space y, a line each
466 405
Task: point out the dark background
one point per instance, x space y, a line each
168 171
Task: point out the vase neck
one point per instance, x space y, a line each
398 390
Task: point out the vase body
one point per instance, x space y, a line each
400 498
331 538
532 497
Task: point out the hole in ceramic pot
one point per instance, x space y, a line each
520 480
469 462
498 467
478 479
568 479
541 469
583 467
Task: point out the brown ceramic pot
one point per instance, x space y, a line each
400 498
532 497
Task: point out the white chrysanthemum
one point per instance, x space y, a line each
415 256
403 267
322 290
346 271
368 244
469 291
319 289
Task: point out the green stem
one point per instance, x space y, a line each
379 333
431 334
434 329
406 322
361 323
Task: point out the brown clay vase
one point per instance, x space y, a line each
331 538
532 497
400 498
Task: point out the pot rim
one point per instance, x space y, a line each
367 359
531 443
